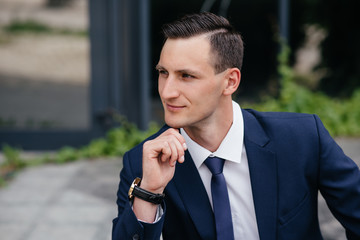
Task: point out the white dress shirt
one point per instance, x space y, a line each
236 172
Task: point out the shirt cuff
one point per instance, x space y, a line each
159 214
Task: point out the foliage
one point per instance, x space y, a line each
340 54
12 163
31 26
116 142
340 51
12 156
64 155
28 26
340 116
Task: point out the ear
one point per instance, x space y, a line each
233 78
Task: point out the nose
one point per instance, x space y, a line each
168 88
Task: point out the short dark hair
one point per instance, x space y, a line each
226 43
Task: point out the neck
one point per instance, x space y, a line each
210 134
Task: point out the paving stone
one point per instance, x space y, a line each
19 214
61 201
12 231
61 232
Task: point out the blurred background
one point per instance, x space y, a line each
77 82
44 64
68 66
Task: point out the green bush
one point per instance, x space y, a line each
65 154
116 142
31 26
27 26
340 116
12 163
12 157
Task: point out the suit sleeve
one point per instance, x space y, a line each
126 225
339 179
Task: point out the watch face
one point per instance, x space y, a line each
136 182
130 191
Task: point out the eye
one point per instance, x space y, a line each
185 75
163 72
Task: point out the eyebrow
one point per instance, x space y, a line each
158 67
187 71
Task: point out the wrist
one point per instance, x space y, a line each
138 192
144 211
150 187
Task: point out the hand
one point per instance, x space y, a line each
159 159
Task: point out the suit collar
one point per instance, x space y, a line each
231 146
263 175
253 130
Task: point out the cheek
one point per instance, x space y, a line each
203 97
160 86
212 90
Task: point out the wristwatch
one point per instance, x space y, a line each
136 191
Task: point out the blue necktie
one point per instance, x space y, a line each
220 198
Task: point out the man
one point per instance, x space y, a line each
273 163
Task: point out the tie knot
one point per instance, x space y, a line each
215 165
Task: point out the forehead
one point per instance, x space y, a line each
186 52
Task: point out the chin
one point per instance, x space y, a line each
174 123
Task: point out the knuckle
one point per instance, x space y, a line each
146 144
172 131
165 144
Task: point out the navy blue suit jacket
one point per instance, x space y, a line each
291 156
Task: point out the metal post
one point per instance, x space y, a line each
284 20
120 43
145 63
114 51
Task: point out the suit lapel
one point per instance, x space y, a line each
263 175
192 191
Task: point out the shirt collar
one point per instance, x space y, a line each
229 149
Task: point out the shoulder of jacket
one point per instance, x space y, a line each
278 115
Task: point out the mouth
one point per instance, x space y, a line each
174 108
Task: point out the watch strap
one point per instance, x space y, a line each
136 191
148 196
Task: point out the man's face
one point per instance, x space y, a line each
188 86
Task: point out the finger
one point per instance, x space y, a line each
174 153
165 152
180 151
181 159
179 147
179 137
180 143
172 146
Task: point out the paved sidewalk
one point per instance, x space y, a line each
73 201
76 201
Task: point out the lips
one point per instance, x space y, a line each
174 108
